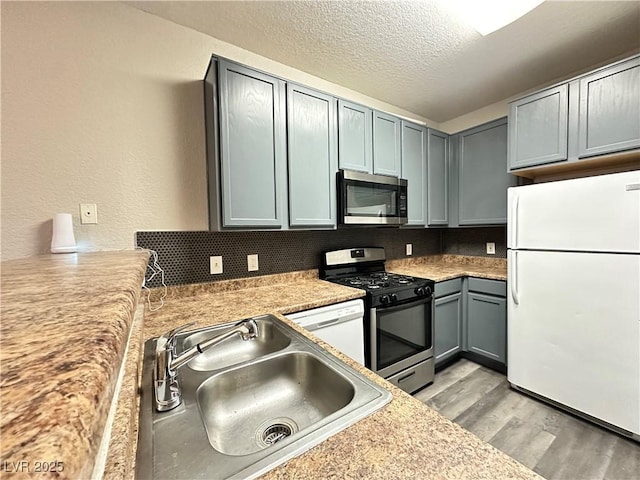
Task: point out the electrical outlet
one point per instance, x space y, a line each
88 213
409 249
215 265
252 263
491 248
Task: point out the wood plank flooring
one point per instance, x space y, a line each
553 443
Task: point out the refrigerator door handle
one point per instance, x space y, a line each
513 277
515 203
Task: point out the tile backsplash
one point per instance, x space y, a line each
472 241
184 256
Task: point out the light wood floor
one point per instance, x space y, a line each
553 443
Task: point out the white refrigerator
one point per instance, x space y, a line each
574 296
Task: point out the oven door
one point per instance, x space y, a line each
367 199
401 335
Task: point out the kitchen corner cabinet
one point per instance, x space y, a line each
448 320
471 321
487 319
480 168
312 157
437 177
595 114
386 144
354 137
251 171
414 170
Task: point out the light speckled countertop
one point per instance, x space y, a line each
65 323
446 267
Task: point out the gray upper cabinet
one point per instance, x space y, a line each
609 111
354 137
312 157
437 177
482 174
414 170
386 144
252 148
594 114
538 128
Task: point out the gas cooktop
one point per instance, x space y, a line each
377 280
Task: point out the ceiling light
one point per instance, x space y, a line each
487 16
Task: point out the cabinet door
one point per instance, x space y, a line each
414 170
252 147
487 326
482 174
538 128
312 157
437 178
386 144
609 117
448 326
354 137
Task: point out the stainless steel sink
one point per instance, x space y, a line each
249 409
235 350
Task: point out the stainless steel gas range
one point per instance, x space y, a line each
399 313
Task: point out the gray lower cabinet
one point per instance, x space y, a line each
312 157
437 177
471 321
482 178
609 111
251 171
487 319
448 327
414 170
354 137
538 128
386 144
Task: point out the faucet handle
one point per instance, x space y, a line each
170 336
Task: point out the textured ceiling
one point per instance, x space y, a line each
416 54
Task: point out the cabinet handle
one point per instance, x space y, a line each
486 301
402 379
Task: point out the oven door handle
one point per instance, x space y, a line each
413 303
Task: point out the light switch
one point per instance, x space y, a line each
409 249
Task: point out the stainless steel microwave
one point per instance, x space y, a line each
366 199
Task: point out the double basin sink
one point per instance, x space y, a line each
249 405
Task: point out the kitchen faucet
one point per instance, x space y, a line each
166 387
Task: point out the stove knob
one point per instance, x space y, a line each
393 297
427 290
420 292
384 299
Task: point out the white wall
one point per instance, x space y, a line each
102 103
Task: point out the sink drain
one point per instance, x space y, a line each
271 432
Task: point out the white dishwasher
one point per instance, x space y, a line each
340 325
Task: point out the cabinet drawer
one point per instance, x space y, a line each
414 377
490 287
448 287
